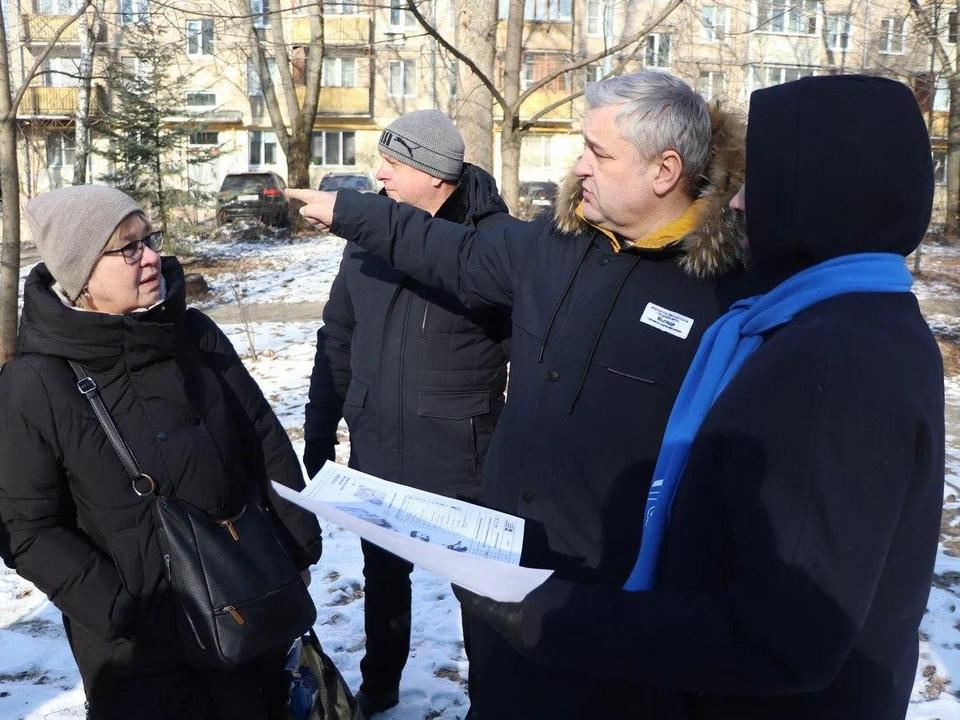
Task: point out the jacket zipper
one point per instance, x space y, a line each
423 323
476 449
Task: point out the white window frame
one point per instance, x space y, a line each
340 7
404 72
841 31
195 93
940 164
192 139
712 84
333 71
319 146
260 9
714 23
254 84
941 96
262 139
952 28
57 7
134 12
64 146
788 17
548 10
599 18
653 48
779 74
400 17
891 41
197 31
61 71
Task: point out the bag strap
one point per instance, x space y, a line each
142 483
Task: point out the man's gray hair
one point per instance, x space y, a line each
660 112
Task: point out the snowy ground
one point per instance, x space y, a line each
39 680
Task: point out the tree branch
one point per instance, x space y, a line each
42 58
930 29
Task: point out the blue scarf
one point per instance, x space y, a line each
726 345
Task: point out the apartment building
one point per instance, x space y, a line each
379 63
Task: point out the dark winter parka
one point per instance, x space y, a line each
801 543
591 387
418 377
197 423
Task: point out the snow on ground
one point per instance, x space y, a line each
38 678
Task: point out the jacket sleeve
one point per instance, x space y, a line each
479 267
39 516
280 460
810 549
331 365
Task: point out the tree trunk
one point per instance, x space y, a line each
953 152
88 34
476 36
510 136
10 188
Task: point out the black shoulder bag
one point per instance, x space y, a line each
237 586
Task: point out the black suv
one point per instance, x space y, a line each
537 197
255 196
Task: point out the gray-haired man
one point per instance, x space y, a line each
609 300
418 377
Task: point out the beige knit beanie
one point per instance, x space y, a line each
72 225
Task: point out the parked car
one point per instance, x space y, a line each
536 197
348 181
256 196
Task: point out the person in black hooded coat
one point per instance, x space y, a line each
800 547
194 418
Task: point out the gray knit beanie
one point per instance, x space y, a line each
427 140
72 225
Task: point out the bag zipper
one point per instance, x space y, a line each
233 612
228 523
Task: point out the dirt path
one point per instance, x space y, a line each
267 312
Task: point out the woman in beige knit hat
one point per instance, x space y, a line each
193 417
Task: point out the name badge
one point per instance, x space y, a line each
667 320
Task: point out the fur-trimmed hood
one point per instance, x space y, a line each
717 244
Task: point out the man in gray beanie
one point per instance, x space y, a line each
418 378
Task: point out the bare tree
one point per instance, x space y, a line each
10 181
88 32
297 138
476 36
511 99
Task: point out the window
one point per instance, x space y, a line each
548 10
536 151
891 35
592 73
399 16
263 148
599 18
798 17
656 52
537 66
339 7
339 72
334 147
260 9
940 167
403 78
61 72
205 137
770 76
201 99
712 84
134 11
952 27
838 32
941 98
199 37
60 149
713 23
454 88
254 86
57 7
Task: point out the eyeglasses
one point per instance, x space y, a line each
133 251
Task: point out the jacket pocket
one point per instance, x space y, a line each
356 394
453 405
129 550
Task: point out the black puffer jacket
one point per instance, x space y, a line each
197 423
418 377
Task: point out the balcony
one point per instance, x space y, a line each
57 102
337 30
341 101
42 28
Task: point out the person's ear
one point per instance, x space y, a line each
668 172
436 182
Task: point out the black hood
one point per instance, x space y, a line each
98 341
475 198
835 166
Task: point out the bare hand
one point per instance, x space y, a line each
318 208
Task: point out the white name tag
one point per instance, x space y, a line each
667 320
